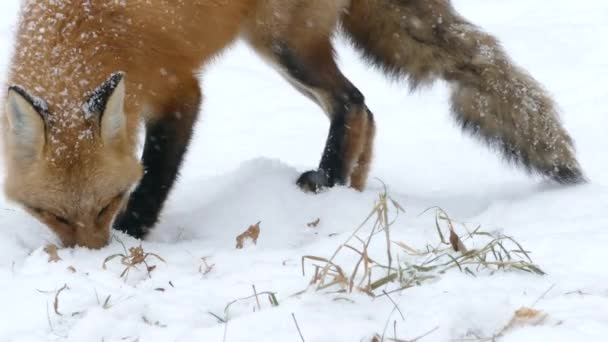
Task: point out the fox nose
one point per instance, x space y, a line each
91 236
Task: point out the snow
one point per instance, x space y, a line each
257 135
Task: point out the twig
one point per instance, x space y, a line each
225 331
56 301
297 326
543 295
255 293
395 304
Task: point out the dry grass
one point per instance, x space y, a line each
399 266
328 274
206 267
414 266
295 321
132 258
378 338
253 299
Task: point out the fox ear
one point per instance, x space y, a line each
107 103
25 123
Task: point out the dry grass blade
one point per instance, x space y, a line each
110 258
205 268
297 326
153 323
219 319
56 300
337 270
271 296
407 248
106 303
314 224
416 339
252 234
378 338
257 299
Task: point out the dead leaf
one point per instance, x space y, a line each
71 269
51 250
252 233
457 243
526 317
314 224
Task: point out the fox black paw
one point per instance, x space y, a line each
313 181
129 223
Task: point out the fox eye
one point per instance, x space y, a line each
62 220
57 218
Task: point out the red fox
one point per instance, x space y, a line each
85 73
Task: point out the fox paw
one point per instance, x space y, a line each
129 223
313 181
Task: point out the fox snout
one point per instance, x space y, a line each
91 231
93 237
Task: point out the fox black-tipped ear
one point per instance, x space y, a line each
107 104
26 124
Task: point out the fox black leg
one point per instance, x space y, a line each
167 140
350 133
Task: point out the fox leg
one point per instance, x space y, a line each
358 177
167 139
311 69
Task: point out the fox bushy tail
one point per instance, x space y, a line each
424 40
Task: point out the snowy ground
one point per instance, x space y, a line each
257 135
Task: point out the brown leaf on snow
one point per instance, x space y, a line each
526 317
51 250
71 269
252 233
457 243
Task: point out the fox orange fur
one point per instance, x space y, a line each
85 73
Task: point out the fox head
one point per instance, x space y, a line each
72 177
